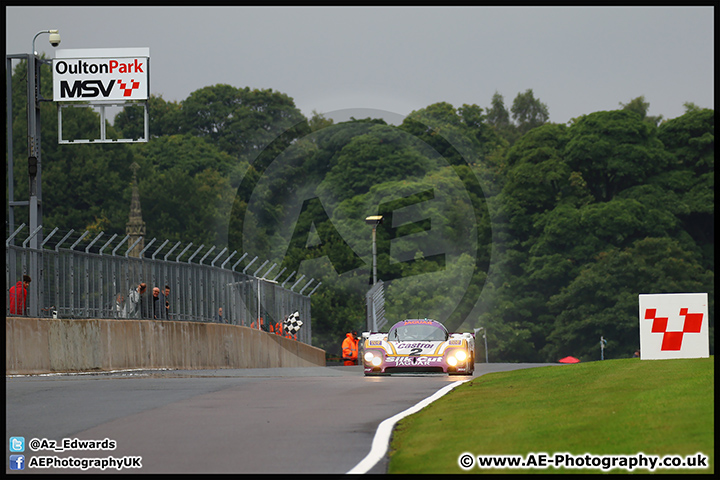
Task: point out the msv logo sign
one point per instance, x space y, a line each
674 325
101 74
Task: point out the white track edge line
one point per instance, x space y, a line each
381 441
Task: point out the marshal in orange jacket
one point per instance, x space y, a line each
350 349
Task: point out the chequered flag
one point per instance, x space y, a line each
292 324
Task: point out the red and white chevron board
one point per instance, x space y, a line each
674 325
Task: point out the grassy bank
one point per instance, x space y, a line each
613 407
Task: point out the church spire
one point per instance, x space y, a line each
135 227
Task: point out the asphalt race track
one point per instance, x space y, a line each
282 420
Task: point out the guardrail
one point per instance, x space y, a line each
84 276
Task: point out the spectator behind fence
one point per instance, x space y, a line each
165 302
156 304
220 317
18 295
120 306
136 301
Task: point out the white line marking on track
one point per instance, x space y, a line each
381 441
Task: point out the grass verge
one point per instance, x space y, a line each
613 407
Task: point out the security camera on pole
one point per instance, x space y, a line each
34 163
34 202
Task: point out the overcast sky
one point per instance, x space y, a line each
576 60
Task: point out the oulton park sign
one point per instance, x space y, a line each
101 74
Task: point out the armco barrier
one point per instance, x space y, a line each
39 345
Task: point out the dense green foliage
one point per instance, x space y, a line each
544 234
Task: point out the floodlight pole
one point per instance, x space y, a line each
374 254
374 220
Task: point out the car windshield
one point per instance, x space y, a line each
422 332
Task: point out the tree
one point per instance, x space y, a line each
185 187
613 151
528 112
192 155
604 184
602 300
537 174
381 155
497 114
164 119
182 207
276 184
84 183
498 118
691 107
641 107
241 121
690 189
318 121
691 137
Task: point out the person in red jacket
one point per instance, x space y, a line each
350 348
18 296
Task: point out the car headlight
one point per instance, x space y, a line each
456 356
461 355
374 359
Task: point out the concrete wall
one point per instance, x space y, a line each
38 345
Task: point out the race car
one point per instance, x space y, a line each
418 346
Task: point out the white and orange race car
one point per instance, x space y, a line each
418 346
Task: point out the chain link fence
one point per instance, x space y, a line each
85 276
